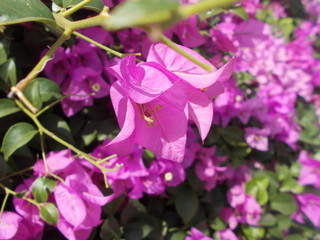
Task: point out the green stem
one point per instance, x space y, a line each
56 138
44 158
50 106
4 203
75 8
85 23
24 197
118 54
176 48
16 173
186 11
41 64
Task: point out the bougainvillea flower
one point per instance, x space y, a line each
150 106
9 224
197 235
310 171
257 138
202 87
310 205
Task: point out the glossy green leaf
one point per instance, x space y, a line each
8 73
253 233
49 213
18 135
95 5
187 204
7 107
41 188
32 93
18 11
141 12
240 12
257 187
48 89
291 185
284 203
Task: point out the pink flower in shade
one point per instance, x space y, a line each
310 170
229 217
309 204
227 234
58 68
250 211
188 33
208 166
85 85
197 235
236 196
257 138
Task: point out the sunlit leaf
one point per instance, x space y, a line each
18 11
18 135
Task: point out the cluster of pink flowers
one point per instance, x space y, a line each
77 198
156 102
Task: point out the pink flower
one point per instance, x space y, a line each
9 224
257 138
227 234
197 235
310 171
309 204
229 216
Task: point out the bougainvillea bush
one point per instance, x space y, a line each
160 119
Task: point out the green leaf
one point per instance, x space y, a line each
218 224
141 12
8 73
253 233
284 203
267 220
58 126
110 229
240 12
18 135
49 213
291 185
187 204
7 107
209 14
18 11
48 89
282 171
232 135
32 93
41 188
3 53
95 5
257 187
283 222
